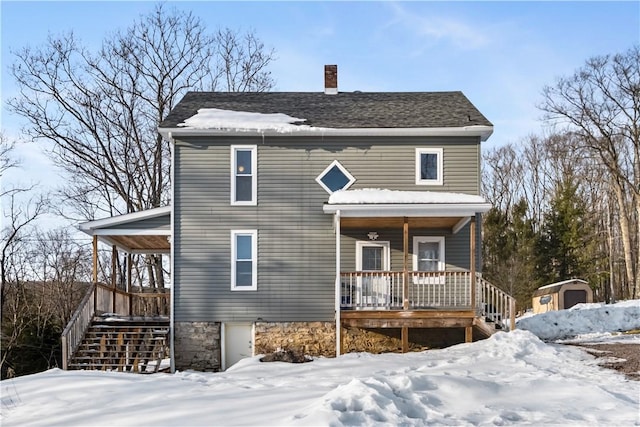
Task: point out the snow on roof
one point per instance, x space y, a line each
564 282
380 196
214 118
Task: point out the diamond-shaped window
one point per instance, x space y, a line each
335 177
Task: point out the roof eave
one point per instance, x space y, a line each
482 131
407 209
89 227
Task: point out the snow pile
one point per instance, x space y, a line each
584 319
374 195
214 118
511 378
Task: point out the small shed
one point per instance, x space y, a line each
561 295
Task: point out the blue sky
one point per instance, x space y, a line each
500 54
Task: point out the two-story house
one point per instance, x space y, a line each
325 222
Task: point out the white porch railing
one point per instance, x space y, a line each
426 290
439 289
372 290
74 332
495 305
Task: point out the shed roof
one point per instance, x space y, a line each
555 287
346 110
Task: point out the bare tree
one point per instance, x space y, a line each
101 109
17 215
522 182
63 265
7 161
600 104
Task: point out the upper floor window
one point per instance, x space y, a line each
335 177
429 166
244 260
244 175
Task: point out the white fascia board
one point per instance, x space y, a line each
409 210
131 232
484 132
89 226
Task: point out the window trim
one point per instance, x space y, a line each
254 175
342 169
254 259
440 162
386 250
429 239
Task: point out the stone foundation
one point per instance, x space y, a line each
311 338
197 346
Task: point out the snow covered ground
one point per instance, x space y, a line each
512 378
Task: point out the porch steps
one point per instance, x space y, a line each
484 328
125 344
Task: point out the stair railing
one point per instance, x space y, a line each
495 304
74 332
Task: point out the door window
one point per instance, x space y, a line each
372 258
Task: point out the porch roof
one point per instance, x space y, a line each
368 203
146 231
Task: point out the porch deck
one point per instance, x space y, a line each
425 300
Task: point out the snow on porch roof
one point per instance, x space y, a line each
370 202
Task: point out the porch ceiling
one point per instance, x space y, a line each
137 243
397 222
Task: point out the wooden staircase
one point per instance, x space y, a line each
123 343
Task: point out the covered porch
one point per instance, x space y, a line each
391 267
117 325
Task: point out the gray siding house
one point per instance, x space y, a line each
322 223
314 221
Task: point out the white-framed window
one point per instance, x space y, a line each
244 175
244 260
429 166
335 177
428 253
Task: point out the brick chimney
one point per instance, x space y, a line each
331 79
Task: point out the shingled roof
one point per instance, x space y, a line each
346 110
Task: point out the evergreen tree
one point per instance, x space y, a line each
565 241
509 251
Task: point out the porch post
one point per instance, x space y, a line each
468 334
129 284
405 339
95 272
472 261
338 287
405 276
114 255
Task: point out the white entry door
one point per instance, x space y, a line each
238 343
373 290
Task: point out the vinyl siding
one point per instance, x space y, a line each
456 247
296 240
